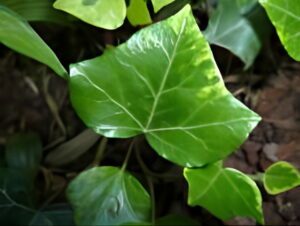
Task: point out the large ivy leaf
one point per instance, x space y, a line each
100 13
108 196
229 28
285 16
159 4
24 153
164 83
17 34
137 13
35 10
226 193
281 177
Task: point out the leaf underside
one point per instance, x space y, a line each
164 83
229 28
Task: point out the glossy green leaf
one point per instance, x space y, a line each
164 83
100 13
281 177
24 153
137 13
159 4
17 34
108 196
35 10
285 16
229 28
226 193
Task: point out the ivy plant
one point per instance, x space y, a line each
163 83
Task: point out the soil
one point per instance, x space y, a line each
271 88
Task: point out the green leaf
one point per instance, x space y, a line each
281 177
229 28
163 82
226 193
17 34
24 153
35 10
100 13
285 16
137 13
159 4
108 196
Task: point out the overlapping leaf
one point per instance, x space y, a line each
17 34
137 12
164 83
229 28
281 177
100 13
226 193
108 196
285 16
159 4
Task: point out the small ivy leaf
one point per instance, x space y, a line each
159 4
100 13
281 177
23 153
163 82
285 16
226 193
229 28
17 34
137 13
108 196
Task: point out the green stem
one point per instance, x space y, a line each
100 151
256 177
128 155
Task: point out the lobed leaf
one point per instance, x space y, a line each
100 13
17 34
226 193
285 16
108 196
281 177
164 83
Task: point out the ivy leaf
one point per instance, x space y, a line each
159 4
164 83
24 153
281 177
100 13
285 16
17 34
226 193
108 196
229 28
137 13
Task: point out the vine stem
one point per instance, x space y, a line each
128 155
149 181
100 152
256 177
